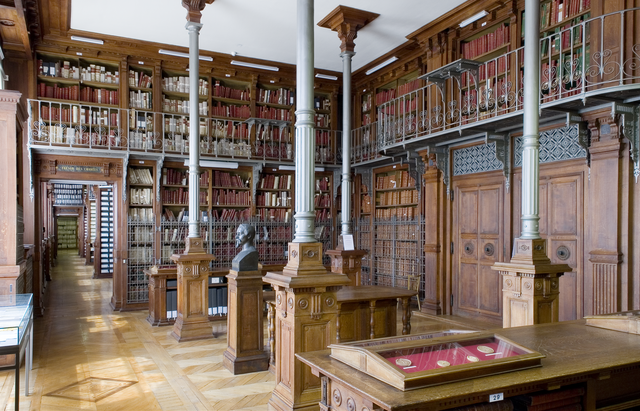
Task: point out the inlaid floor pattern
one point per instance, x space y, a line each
89 357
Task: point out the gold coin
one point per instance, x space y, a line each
485 349
443 363
403 362
472 358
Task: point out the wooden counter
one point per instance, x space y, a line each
606 363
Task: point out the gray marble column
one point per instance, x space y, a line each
194 131
531 103
305 127
346 141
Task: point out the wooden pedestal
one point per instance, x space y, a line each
305 320
530 285
348 263
245 344
193 275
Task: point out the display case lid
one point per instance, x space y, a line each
15 313
411 362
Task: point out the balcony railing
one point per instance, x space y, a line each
578 64
89 126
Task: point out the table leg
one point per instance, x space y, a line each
271 321
406 317
372 322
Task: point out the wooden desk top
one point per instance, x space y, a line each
360 293
574 352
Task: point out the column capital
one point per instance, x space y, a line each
194 9
346 21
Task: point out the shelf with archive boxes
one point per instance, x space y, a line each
227 138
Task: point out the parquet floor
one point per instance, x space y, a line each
88 357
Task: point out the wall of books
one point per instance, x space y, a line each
67 232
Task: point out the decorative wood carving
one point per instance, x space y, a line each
605 265
194 9
346 21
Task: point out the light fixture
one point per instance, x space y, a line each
141 62
87 40
181 54
252 65
78 53
326 76
289 168
381 65
473 18
215 164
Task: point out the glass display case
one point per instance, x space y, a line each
15 313
429 359
16 336
624 321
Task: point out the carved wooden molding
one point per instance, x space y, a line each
194 9
346 21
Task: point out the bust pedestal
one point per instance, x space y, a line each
192 322
530 285
245 344
306 310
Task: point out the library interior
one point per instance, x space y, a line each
355 206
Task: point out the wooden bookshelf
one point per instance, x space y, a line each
275 194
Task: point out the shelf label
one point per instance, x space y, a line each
79 169
496 397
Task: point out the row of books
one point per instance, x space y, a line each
181 196
230 110
405 232
385 95
272 214
230 129
57 92
281 199
279 96
323 137
273 113
59 188
180 84
140 120
565 38
231 215
99 74
365 206
141 234
273 181
322 120
182 106
139 176
397 197
272 253
140 79
224 179
141 196
78 114
322 200
400 213
179 176
406 106
217 301
323 184
555 11
100 96
491 69
397 179
486 43
140 255
323 215
266 133
399 267
62 69
142 140
229 92
140 99
409 86
230 197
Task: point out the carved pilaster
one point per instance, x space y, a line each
605 266
192 322
433 277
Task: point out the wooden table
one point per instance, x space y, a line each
363 312
605 363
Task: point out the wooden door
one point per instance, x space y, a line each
561 223
477 245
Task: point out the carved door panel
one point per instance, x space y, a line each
478 228
561 223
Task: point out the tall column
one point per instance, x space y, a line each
192 321
530 282
194 131
346 21
346 140
531 105
306 301
305 127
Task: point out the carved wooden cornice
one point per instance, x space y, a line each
346 21
194 9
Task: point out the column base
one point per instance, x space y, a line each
245 365
193 330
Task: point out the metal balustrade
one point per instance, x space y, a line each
86 126
581 65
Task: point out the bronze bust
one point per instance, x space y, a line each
247 258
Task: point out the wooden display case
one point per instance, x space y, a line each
625 321
422 360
